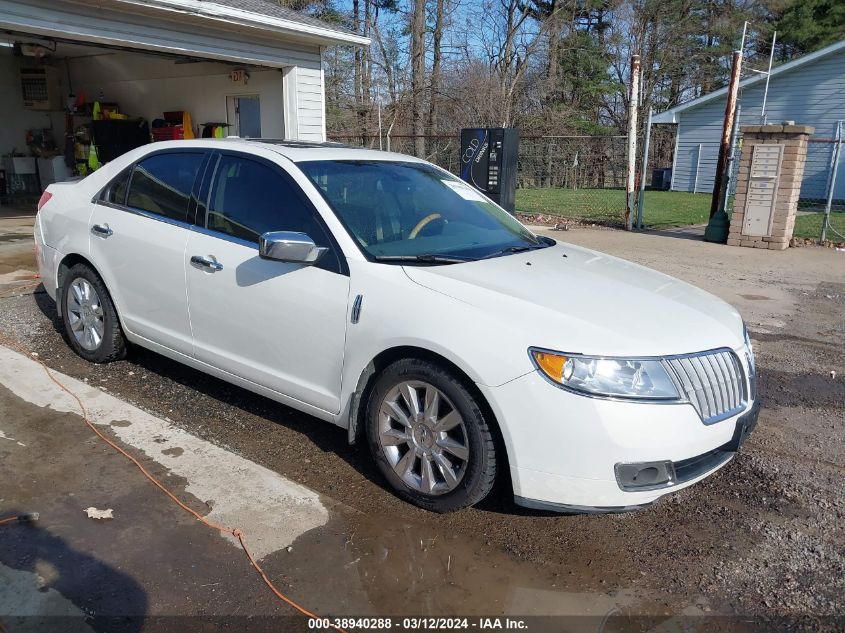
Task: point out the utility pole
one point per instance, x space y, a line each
717 228
633 104
727 128
732 158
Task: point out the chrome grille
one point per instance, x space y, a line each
713 382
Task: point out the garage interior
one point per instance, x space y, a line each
61 98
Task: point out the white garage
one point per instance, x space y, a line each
246 67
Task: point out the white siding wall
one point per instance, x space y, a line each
310 106
698 126
813 94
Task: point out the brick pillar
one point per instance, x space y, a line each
767 186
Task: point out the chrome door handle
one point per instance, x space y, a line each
102 230
205 262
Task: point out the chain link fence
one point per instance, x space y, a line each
442 150
823 184
580 178
576 178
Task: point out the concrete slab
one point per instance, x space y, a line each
152 558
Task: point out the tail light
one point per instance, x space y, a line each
45 198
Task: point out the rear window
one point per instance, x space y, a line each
162 184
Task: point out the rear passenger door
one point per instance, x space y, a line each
279 325
138 232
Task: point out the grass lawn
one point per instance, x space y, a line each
663 209
810 225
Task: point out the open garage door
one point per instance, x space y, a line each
60 99
213 67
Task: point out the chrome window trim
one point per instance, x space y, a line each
144 214
744 400
224 236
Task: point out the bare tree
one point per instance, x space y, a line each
510 38
418 75
546 66
436 46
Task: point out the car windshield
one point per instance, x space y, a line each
406 210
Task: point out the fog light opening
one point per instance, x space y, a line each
645 475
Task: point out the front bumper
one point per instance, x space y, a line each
687 471
564 448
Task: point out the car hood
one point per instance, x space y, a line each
580 301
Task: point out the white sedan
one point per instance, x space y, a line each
379 293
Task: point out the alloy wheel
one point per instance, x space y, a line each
85 314
423 437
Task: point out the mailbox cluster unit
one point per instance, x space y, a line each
762 187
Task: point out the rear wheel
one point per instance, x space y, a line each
429 436
90 319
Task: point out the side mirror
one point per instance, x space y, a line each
288 246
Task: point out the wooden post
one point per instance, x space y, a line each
633 104
727 128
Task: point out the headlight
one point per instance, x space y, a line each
609 377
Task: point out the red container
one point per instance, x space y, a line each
169 133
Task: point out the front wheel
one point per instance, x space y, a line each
429 436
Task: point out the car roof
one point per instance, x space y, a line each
296 151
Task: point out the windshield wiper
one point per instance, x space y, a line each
515 249
425 258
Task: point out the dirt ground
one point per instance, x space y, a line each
763 539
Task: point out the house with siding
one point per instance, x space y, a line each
809 90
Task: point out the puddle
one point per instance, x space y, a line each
15 237
376 566
17 261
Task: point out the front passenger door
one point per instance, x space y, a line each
279 325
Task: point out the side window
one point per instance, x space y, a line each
115 191
162 184
249 198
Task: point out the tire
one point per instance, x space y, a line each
449 481
95 313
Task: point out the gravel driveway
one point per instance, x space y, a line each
764 536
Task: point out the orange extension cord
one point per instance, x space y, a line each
237 533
